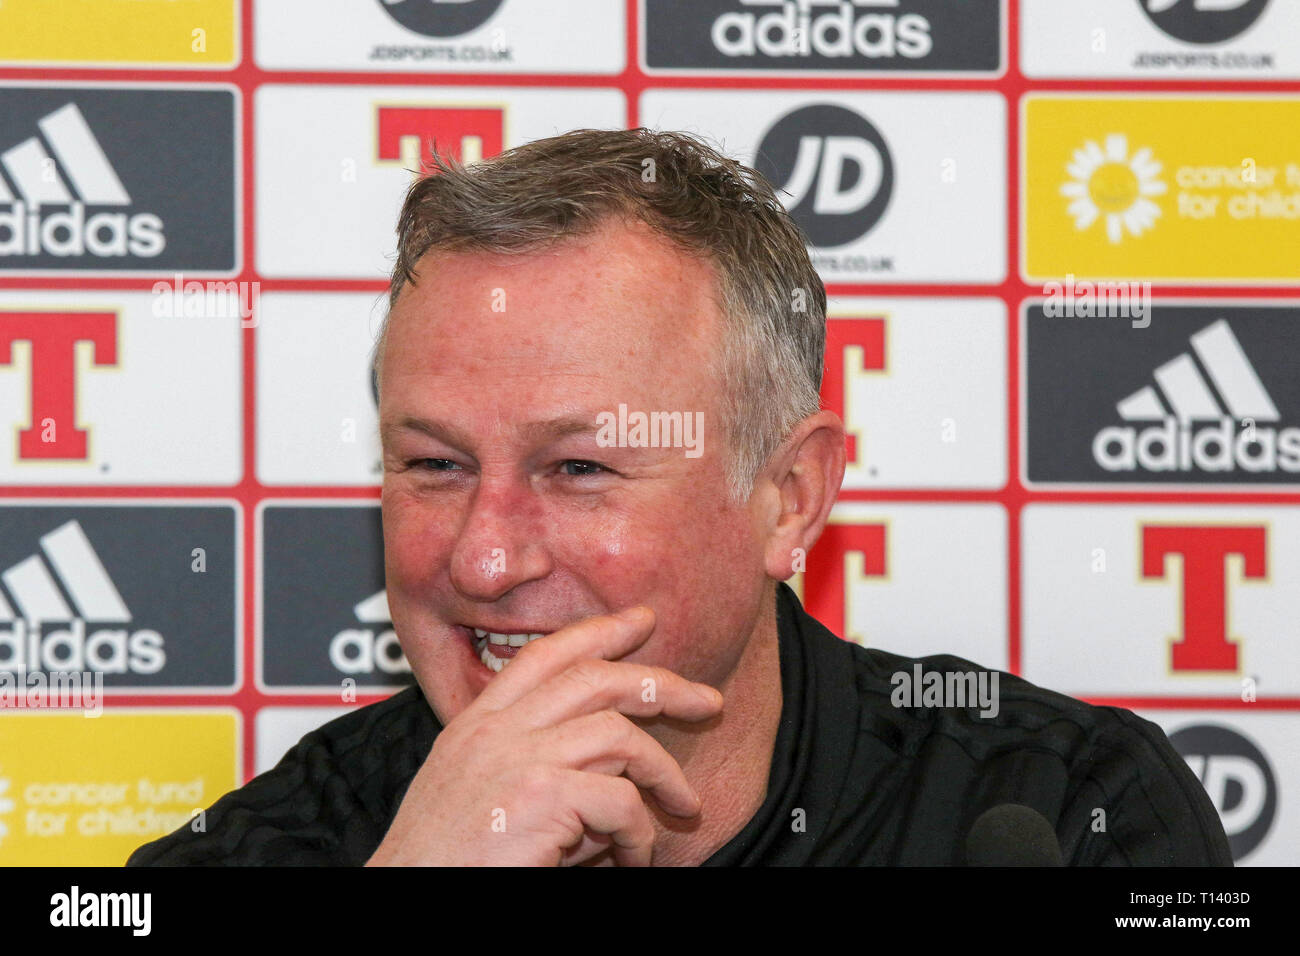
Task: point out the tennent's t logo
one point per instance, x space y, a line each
853 347
1205 644
407 133
52 431
827 584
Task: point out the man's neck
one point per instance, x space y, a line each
728 760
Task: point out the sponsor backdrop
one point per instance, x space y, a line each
1061 244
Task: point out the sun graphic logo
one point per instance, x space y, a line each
6 807
1109 183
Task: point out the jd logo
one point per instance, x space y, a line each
1238 779
836 169
1203 21
441 18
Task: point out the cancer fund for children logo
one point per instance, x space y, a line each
1111 188
7 807
1172 187
77 792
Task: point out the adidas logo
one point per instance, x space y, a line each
1224 390
829 28
87 594
64 166
365 650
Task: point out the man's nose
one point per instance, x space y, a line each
500 545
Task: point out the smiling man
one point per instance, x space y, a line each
610 668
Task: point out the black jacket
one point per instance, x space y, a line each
855 780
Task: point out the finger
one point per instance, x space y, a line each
612 806
606 636
609 743
590 686
591 847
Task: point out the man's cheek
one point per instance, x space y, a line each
415 543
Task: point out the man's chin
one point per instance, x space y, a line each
453 678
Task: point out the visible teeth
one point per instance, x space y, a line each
484 638
491 660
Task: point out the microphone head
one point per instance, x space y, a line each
1012 835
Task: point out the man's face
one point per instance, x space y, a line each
495 370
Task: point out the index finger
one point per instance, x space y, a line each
605 636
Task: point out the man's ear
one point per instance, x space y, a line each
800 485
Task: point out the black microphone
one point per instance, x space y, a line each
1012 835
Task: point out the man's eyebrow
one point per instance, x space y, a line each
534 431
442 432
561 427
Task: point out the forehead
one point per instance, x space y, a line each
621 301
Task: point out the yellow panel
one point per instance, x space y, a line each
1162 188
86 791
120 32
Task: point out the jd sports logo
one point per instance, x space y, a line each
1203 21
834 168
441 18
1238 779
111 179
1207 394
143 595
878 35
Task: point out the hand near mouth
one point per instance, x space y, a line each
543 768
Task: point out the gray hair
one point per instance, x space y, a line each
707 204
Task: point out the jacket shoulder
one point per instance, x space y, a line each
1111 783
328 801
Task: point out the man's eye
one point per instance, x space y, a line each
431 464
587 468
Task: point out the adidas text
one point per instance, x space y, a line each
109 650
1222 447
71 232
